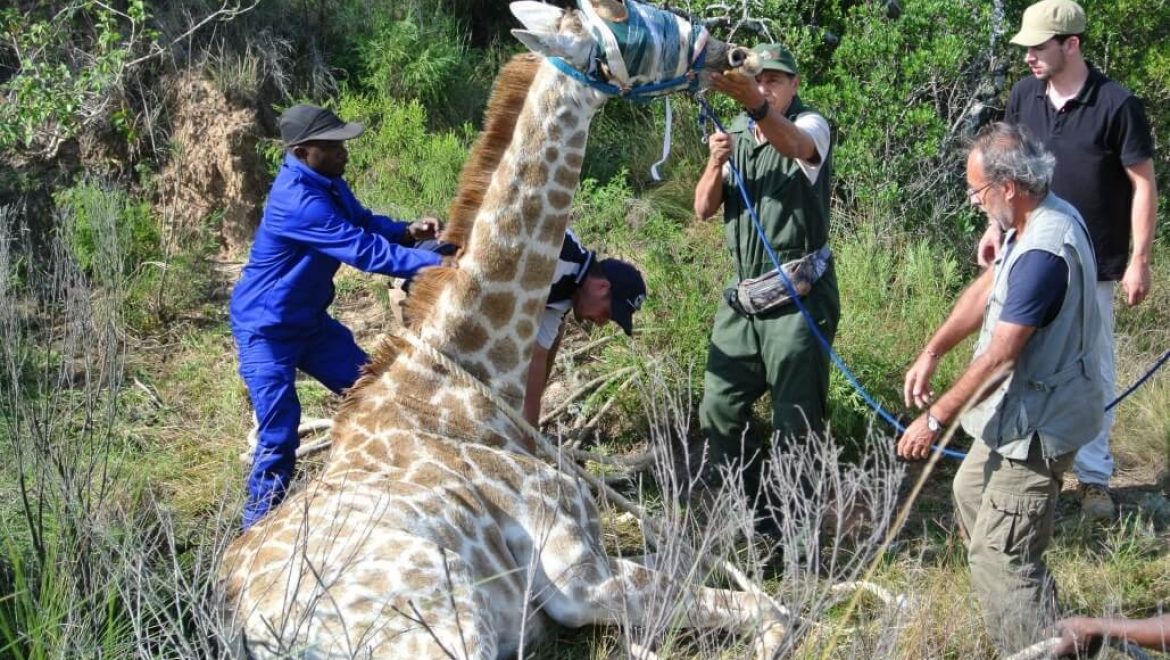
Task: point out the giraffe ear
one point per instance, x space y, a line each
544 43
537 16
613 11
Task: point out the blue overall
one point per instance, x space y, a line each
311 225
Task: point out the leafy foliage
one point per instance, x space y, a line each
105 225
398 166
897 92
68 64
417 57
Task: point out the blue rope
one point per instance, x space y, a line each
1150 372
706 112
639 93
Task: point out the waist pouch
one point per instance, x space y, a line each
768 291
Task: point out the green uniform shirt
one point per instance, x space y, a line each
794 212
773 352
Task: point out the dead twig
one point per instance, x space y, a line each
584 350
596 383
153 396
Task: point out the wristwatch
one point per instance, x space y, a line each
933 424
760 112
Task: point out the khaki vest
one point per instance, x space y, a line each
793 212
1055 391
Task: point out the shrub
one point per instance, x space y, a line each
421 57
897 92
398 165
68 67
110 234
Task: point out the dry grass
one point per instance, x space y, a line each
163 483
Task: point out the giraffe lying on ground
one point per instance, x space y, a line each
433 530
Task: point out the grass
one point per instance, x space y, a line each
155 439
123 417
1118 568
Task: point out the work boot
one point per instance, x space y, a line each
1096 502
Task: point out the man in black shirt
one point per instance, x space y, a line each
1104 166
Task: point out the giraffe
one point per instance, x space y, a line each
433 530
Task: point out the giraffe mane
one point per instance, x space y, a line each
388 350
504 106
425 291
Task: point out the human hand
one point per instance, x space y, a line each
424 228
989 244
916 390
719 148
914 445
1076 634
738 86
1136 282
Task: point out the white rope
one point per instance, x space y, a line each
897 602
665 143
650 525
1046 649
646 521
1036 651
639 652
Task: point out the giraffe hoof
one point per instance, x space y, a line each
768 642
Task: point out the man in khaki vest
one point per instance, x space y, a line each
1034 387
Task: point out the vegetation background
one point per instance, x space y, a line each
136 146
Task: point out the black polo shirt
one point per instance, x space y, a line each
1094 137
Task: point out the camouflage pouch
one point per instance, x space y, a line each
769 291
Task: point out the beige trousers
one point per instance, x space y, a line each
1006 510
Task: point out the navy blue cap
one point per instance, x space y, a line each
627 292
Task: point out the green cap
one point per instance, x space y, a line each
774 57
1047 19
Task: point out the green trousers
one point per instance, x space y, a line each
774 352
1007 509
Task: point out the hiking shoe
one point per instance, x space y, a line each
1096 502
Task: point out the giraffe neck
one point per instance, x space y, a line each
487 318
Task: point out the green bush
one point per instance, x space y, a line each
398 166
68 68
111 235
422 57
896 92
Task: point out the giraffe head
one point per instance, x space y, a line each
628 46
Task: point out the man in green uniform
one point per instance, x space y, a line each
761 342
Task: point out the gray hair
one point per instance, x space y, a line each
1010 153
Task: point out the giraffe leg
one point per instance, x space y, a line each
611 590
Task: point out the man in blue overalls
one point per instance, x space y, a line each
312 224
